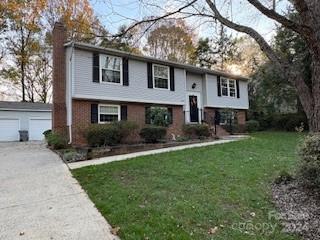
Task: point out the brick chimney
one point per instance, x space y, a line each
59 113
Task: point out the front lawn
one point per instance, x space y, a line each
215 192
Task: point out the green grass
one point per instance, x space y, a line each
182 194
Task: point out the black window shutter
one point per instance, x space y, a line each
149 71
238 89
147 115
219 86
170 115
124 112
125 71
172 78
95 68
94 113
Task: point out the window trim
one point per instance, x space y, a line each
228 87
108 105
153 77
102 57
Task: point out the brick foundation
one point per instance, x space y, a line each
209 115
81 119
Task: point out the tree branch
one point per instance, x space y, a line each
265 47
279 18
155 19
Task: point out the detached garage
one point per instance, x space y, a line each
16 116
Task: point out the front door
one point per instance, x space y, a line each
194 111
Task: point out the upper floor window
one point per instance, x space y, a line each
228 87
111 69
109 113
161 76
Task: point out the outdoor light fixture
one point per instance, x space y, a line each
194 85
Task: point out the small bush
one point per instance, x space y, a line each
47 132
56 141
153 134
196 130
309 166
126 128
289 122
252 126
265 121
98 135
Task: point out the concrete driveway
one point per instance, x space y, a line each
39 199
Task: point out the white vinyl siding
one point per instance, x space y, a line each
137 91
213 100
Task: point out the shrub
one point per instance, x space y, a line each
126 128
196 130
47 132
98 135
265 121
309 166
289 122
153 134
252 125
57 141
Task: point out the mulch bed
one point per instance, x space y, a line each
81 154
299 209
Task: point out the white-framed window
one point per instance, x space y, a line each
228 87
226 117
110 69
232 88
108 113
161 76
224 87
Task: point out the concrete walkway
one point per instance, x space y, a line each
150 152
39 199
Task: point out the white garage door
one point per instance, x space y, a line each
9 129
37 127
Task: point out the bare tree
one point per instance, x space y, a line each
307 26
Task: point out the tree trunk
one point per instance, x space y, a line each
309 97
314 121
22 82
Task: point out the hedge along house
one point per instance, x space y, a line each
100 85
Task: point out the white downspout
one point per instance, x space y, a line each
71 74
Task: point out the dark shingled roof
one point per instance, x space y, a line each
4 105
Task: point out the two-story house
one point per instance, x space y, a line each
99 85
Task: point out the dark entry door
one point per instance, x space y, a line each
194 112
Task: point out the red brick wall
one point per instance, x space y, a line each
81 118
59 113
241 116
209 114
